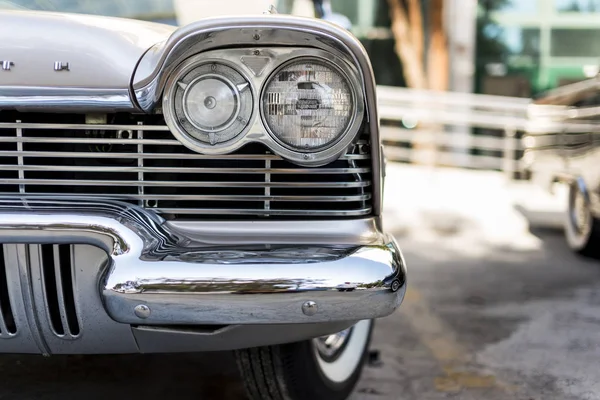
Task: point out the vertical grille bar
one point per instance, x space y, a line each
48 259
8 327
267 180
59 288
20 158
140 150
57 272
66 288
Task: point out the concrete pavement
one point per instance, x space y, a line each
498 307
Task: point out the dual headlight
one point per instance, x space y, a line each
309 107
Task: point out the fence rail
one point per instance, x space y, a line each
455 129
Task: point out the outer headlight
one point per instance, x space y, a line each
309 105
210 103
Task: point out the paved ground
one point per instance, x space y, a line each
494 312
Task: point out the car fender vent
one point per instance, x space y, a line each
8 326
57 281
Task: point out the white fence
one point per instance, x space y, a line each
438 128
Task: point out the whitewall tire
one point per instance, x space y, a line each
582 229
323 368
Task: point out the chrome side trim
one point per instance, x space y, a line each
65 99
183 281
250 31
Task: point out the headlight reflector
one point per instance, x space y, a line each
212 103
308 104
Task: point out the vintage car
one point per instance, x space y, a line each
562 146
208 187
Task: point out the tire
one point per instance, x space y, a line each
582 229
300 371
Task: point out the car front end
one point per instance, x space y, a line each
212 187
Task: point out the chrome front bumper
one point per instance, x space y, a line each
159 275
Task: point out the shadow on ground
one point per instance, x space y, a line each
168 376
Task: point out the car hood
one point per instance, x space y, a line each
101 52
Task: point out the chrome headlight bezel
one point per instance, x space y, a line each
256 129
183 129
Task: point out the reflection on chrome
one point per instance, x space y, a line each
184 281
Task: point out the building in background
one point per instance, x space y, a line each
504 47
371 23
527 46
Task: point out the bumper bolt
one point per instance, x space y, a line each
142 311
310 308
395 285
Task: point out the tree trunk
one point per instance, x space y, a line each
438 68
415 21
406 47
437 54
408 30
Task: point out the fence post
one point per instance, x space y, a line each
510 152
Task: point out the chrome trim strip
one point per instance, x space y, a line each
81 182
184 170
269 211
65 99
160 156
182 281
209 197
89 141
82 127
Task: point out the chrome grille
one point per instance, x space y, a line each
137 159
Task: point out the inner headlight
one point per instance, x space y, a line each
211 103
308 104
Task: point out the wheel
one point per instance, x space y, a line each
582 229
323 368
